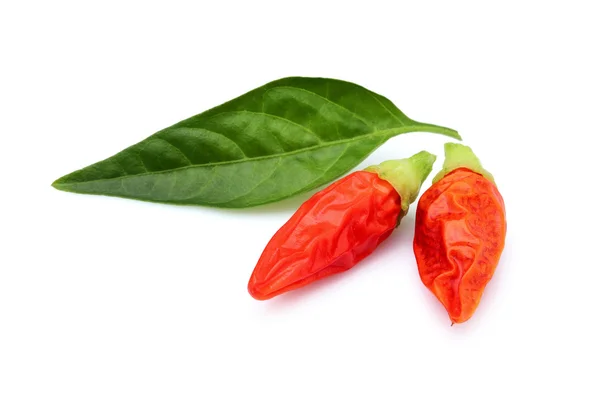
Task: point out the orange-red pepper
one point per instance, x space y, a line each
339 226
460 231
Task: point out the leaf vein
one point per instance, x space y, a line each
260 182
328 100
383 133
216 133
386 109
318 137
176 148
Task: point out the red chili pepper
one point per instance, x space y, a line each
339 226
459 233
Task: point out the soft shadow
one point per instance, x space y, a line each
441 318
435 307
292 298
286 205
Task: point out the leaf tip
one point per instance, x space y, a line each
59 183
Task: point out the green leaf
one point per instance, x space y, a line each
286 137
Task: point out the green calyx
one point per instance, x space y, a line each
406 175
458 156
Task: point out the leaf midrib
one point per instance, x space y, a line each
326 99
407 128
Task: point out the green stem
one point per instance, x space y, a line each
458 156
406 175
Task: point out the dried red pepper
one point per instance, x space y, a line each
339 226
459 233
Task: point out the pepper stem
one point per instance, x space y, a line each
406 175
458 156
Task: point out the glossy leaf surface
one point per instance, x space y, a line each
284 138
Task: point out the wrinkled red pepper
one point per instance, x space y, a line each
339 226
459 233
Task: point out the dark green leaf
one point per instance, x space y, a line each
278 140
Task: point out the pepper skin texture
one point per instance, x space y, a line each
330 233
459 237
339 226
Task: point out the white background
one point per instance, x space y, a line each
111 299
